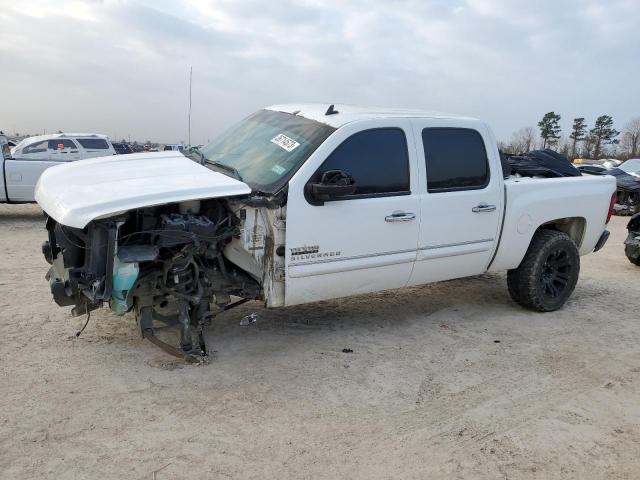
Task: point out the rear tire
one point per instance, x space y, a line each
548 273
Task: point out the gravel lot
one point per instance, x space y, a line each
451 380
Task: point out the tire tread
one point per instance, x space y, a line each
522 281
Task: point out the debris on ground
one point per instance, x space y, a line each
249 320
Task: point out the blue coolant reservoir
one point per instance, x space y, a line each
124 277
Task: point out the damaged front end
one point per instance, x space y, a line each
164 262
632 243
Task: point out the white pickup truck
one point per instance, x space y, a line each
19 171
301 203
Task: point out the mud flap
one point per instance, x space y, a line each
602 240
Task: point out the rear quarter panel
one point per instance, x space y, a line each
532 202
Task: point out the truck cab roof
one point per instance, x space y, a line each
344 113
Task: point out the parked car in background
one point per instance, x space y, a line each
4 145
22 168
591 169
175 147
628 186
122 148
627 190
603 162
631 166
632 243
610 162
627 176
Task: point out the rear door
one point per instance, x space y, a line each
461 200
360 243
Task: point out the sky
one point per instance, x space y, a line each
121 67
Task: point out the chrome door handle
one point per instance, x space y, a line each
483 207
400 217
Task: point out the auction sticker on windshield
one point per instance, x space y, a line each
285 142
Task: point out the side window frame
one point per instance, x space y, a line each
92 149
54 140
318 173
46 150
432 190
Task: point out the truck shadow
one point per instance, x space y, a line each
341 323
474 303
26 213
377 310
460 309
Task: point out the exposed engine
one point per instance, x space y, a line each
164 262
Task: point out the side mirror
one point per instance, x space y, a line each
333 185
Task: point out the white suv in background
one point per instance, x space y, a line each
34 155
175 147
63 147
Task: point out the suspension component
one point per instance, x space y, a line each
185 326
181 278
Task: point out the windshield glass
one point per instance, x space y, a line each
631 166
268 147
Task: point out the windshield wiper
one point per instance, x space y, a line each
200 155
223 166
228 168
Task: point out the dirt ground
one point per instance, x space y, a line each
451 380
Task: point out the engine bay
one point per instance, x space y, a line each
165 263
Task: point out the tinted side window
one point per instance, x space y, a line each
377 159
38 147
61 144
121 148
456 159
94 143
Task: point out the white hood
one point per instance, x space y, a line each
76 193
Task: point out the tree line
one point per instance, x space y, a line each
599 141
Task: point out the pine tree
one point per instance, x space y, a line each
549 129
603 134
578 132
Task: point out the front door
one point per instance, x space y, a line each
362 242
462 204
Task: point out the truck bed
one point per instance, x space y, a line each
533 201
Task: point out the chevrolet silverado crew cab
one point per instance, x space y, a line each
301 203
19 171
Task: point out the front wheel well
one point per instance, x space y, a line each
574 227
